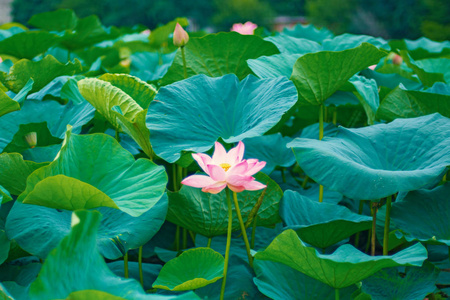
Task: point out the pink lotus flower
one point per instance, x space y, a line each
226 169
248 28
1 60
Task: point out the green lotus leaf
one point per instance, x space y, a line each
109 176
38 229
28 44
320 224
273 66
279 282
141 92
380 160
428 76
213 108
76 265
193 269
401 103
42 72
122 111
389 284
48 119
348 41
219 54
14 172
207 214
367 94
318 75
291 45
92 295
423 215
59 20
5 196
309 32
435 65
422 47
8 105
271 149
392 80
346 266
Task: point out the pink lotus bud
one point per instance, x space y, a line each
372 67
146 31
31 139
1 60
180 36
248 28
397 60
125 63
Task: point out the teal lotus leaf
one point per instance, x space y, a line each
279 282
273 66
146 65
38 229
347 41
401 103
193 269
320 224
319 75
218 54
206 213
423 215
291 45
344 267
391 80
380 160
367 94
53 89
389 284
215 108
83 178
5 196
426 74
422 48
150 271
309 32
76 265
42 154
328 196
271 149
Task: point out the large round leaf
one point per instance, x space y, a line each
28 44
207 214
423 215
76 265
318 75
320 224
309 32
280 282
93 171
38 229
192 114
191 270
344 267
381 160
273 66
219 54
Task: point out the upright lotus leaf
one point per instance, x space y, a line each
193 269
426 75
320 224
42 72
28 44
8 105
206 213
422 47
5 196
214 108
309 32
59 20
279 282
219 54
271 149
76 265
389 284
344 267
367 93
291 45
348 41
14 172
401 103
380 160
38 229
141 92
318 75
94 171
435 65
423 215
273 66
149 66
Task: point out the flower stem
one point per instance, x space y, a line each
305 181
374 227
386 225
336 294
360 210
227 249
125 264
209 242
141 273
244 233
320 138
253 233
183 56
174 178
320 193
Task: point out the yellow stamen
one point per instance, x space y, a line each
225 166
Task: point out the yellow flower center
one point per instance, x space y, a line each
225 166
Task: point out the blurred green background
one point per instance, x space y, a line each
384 18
